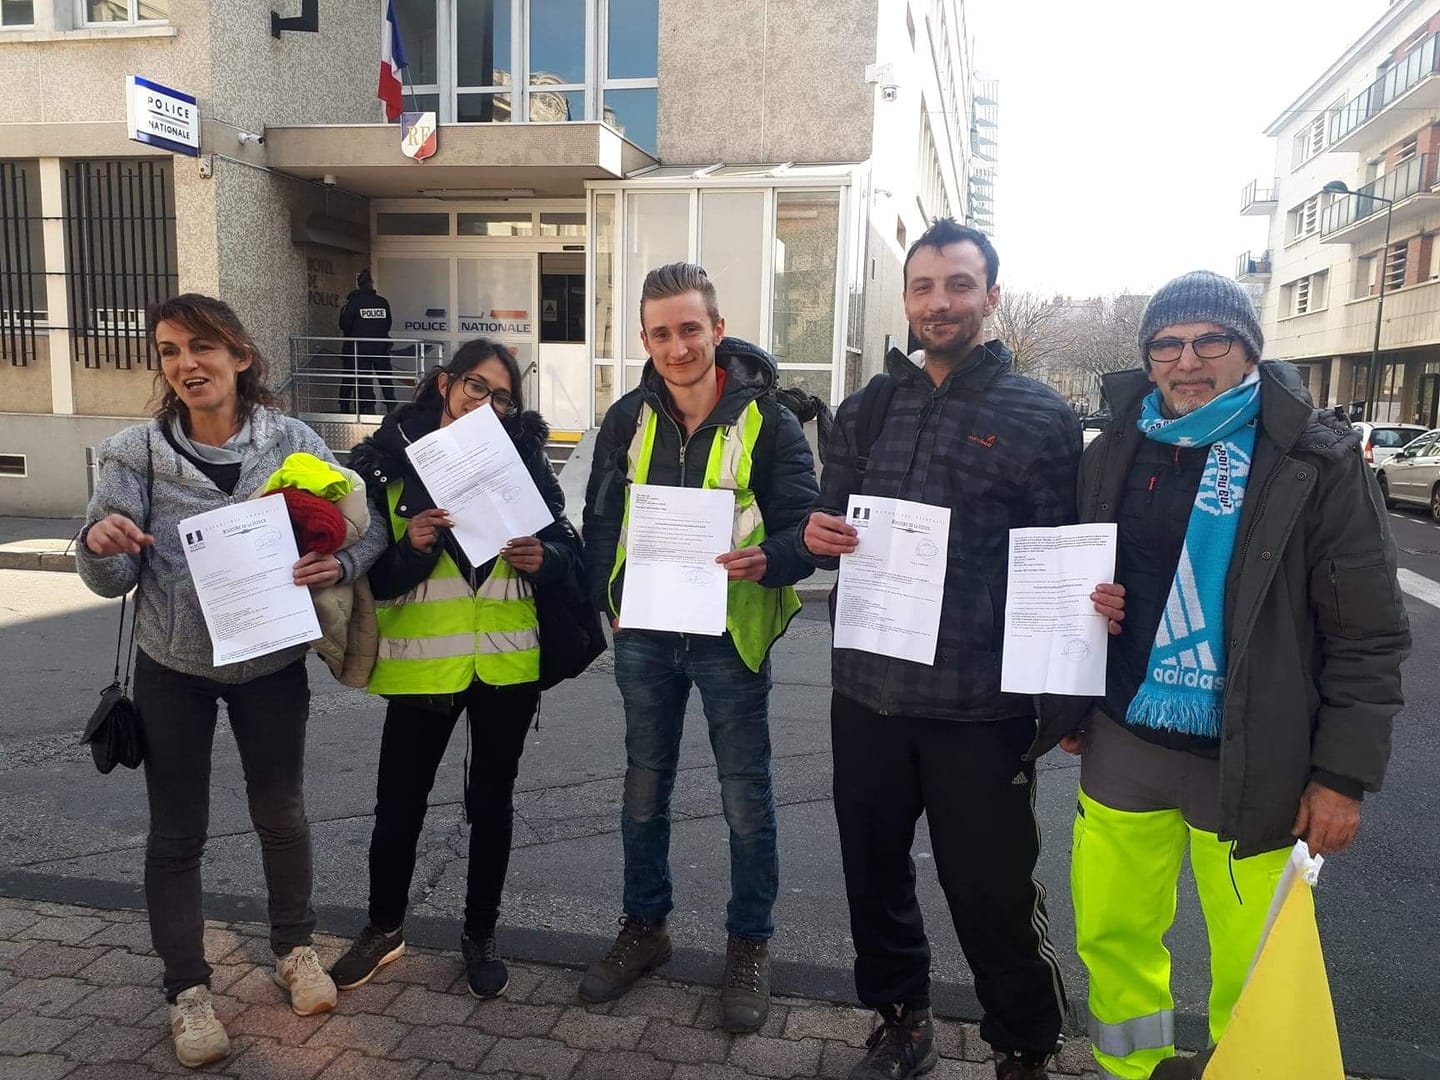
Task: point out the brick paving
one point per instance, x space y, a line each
79 999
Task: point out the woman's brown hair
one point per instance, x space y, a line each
215 320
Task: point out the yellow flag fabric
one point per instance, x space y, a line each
1283 1027
308 473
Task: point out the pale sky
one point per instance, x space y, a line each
1129 127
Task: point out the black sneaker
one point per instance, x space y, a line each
745 987
373 949
902 1046
641 946
1017 1066
484 970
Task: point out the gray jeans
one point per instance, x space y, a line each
267 716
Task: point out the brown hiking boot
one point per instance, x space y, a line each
745 987
641 947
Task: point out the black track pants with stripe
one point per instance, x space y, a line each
977 793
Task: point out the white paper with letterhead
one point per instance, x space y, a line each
672 581
1055 640
892 586
473 471
242 560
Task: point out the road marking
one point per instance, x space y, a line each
1419 586
1407 517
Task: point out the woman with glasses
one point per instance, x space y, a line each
454 637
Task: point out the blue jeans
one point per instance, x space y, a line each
655 672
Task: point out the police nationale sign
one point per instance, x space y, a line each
159 116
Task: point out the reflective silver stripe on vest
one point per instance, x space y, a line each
457 588
507 641
1153 1032
449 646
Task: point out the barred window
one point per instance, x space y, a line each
22 262
119 255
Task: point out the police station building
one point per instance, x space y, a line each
216 146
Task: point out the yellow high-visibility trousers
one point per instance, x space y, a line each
1124 871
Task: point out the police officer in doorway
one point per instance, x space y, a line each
366 318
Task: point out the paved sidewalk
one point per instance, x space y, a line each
79 998
37 543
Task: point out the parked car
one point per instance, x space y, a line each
1096 421
1384 441
1412 476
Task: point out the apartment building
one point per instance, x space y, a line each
1356 158
793 149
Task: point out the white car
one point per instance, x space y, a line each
1384 441
1412 476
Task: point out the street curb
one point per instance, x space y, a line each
37 560
952 1001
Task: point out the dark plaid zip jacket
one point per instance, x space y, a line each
1002 452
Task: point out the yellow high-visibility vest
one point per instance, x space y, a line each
442 635
755 615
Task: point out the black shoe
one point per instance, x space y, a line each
902 1046
641 946
745 987
484 970
373 949
1013 1065
1183 1068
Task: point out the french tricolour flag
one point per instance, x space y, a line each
392 62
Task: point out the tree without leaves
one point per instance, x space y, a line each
1034 327
1107 333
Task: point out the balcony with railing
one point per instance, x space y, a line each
1253 267
1372 119
1359 219
1257 201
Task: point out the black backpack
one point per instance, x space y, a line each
874 404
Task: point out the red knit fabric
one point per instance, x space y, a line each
318 523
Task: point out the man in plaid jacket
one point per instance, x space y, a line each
960 430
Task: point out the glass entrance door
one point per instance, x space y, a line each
495 299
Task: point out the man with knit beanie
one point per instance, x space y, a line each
1251 689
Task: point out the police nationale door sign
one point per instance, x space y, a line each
159 116
418 135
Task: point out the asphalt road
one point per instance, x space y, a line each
67 833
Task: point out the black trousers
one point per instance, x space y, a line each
267 718
411 748
977 794
357 386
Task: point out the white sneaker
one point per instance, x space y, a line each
311 989
199 1036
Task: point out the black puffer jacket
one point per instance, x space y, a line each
1314 619
783 476
381 459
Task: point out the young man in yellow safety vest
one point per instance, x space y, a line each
704 415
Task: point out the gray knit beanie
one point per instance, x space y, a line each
1202 296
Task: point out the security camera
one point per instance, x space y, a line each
249 137
889 92
328 179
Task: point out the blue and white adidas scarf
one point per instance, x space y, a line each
1184 689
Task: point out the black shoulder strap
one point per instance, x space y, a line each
874 404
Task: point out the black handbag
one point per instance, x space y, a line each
114 732
571 636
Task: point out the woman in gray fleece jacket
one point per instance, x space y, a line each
215 440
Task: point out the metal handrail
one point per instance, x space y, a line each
1253 193
1409 178
1417 64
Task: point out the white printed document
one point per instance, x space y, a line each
472 470
1055 640
242 559
892 585
672 581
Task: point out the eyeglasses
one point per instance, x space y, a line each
1167 350
477 389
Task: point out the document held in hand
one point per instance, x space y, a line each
242 559
672 581
472 469
892 585
1055 640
